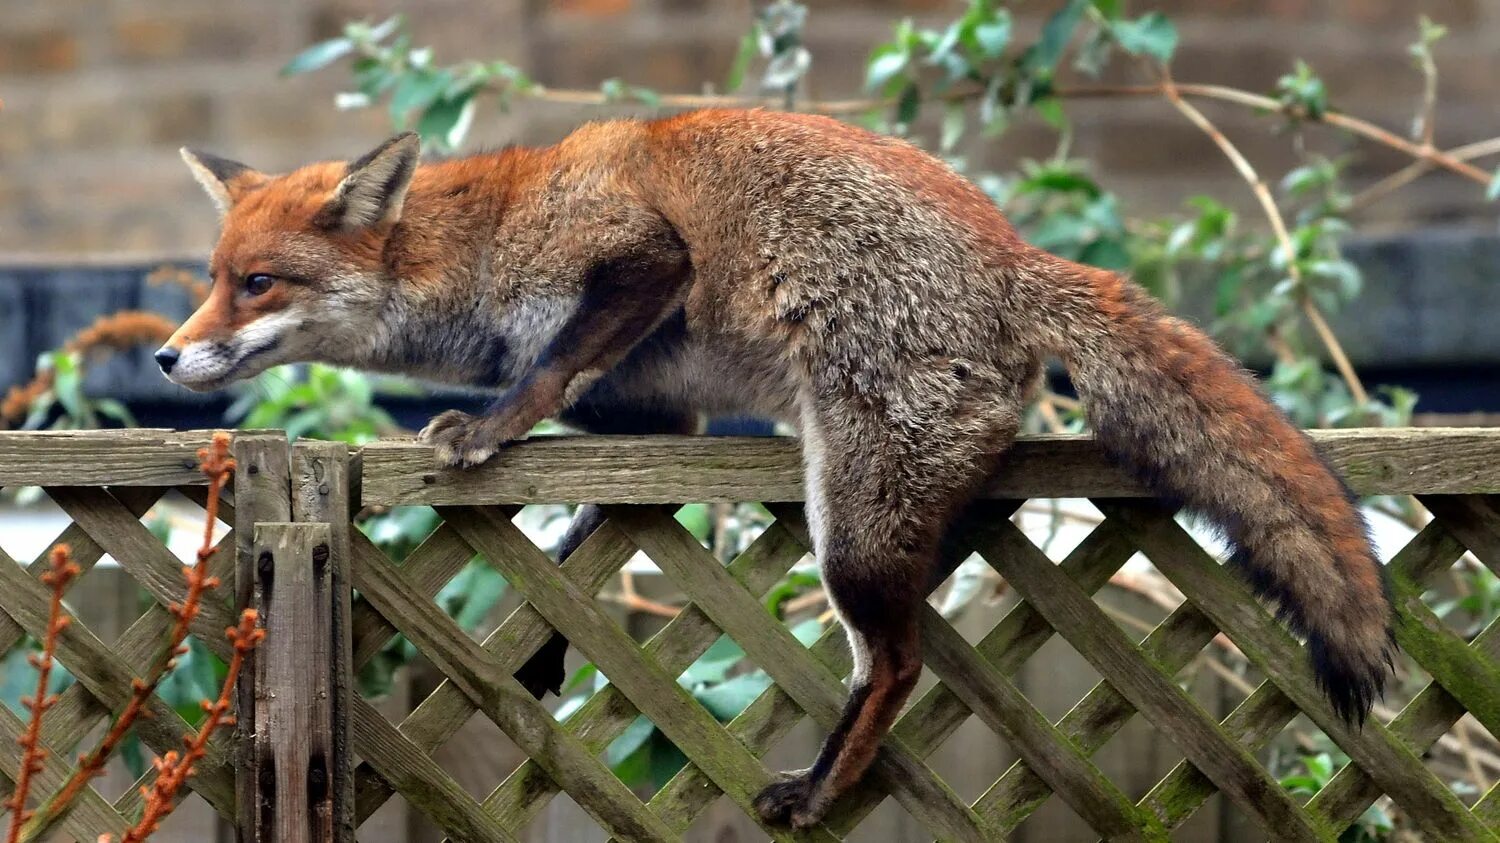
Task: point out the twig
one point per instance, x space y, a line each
1354 125
34 754
1278 227
216 464
634 602
174 768
1416 169
118 331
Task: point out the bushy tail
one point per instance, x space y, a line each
1165 401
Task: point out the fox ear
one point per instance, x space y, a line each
374 189
226 181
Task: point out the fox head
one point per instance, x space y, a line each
298 272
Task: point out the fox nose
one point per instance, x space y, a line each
166 358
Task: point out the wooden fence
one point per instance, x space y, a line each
312 761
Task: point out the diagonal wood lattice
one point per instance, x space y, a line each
1455 473
106 521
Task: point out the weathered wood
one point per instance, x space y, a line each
608 712
573 612
1271 649
447 708
1267 711
815 688
320 494
421 781
293 710
133 546
1098 639
133 457
485 681
86 552
939 712
1429 716
105 675
262 493
659 469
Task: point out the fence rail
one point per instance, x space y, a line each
312 761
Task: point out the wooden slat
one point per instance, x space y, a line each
1429 716
134 457
1271 649
1117 659
939 711
816 689
608 713
651 688
660 469
447 708
1047 751
320 494
421 781
1267 711
262 490
140 553
90 816
490 685
293 734
106 676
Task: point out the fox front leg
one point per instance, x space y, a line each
623 300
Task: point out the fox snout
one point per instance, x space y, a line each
166 358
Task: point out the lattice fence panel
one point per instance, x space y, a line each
974 682
107 521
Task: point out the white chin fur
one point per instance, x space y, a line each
205 366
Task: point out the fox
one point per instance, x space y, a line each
641 275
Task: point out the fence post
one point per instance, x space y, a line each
294 779
324 490
262 494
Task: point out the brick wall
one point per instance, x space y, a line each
98 95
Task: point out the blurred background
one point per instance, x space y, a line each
1375 309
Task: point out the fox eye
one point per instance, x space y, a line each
258 283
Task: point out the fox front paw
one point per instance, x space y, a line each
791 801
461 440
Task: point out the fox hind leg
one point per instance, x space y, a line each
882 492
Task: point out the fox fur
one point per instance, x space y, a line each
639 275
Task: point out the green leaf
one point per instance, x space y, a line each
727 699
1052 111
666 760
446 122
580 676
1056 33
909 104
634 736
695 517
715 663
416 91
1106 254
955 120
485 589
318 56
111 408
1109 8
888 62
992 37
1151 34
741 63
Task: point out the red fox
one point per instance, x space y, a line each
641 273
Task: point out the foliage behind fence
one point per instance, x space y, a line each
315 760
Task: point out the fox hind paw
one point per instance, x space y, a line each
790 801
